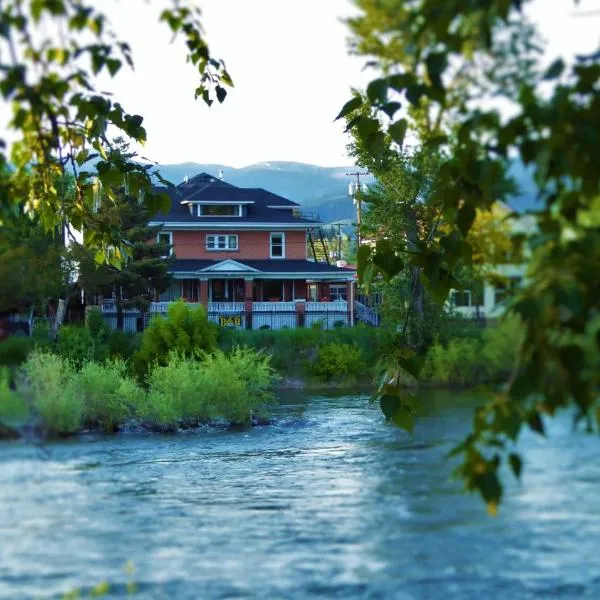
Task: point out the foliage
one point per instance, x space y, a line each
94 321
15 349
454 65
293 350
337 361
50 385
186 330
53 57
122 344
76 344
233 387
13 409
109 395
456 363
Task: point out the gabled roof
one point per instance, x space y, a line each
206 188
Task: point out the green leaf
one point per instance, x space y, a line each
436 64
414 93
404 419
516 464
363 259
389 405
555 70
411 362
535 423
465 218
221 93
350 106
397 131
377 91
390 108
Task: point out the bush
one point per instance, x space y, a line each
76 344
235 387
94 321
122 344
15 349
337 361
186 330
13 409
51 386
108 394
457 363
500 344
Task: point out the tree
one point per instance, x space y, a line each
426 55
51 53
144 275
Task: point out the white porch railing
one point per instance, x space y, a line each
366 314
273 306
225 307
338 305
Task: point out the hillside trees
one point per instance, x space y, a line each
423 54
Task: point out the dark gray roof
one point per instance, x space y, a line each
204 187
265 266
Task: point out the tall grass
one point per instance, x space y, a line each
233 387
50 385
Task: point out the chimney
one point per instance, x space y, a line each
185 179
221 174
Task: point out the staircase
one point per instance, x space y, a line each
318 245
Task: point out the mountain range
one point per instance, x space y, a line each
319 190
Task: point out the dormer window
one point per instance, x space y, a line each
219 210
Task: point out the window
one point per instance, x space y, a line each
221 242
219 210
502 292
337 291
277 245
165 238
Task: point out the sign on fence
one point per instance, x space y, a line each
230 320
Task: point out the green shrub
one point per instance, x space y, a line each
94 320
15 349
234 388
337 361
457 363
13 409
500 345
122 344
76 344
109 395
49 382
186 330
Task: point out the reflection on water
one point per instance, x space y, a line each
327 502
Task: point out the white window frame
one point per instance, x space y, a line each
282 234
200 213
341 289
214 245
170 234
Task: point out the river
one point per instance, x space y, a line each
326 502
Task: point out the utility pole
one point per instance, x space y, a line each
355 191
339 240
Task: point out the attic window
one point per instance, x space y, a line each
219 210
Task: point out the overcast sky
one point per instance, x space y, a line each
292 73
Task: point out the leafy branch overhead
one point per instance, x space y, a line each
51 55
440 73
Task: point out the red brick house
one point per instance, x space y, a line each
251 258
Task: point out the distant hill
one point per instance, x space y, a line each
321 190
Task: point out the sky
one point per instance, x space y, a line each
292 73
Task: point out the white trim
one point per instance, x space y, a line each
282 234
236 267
217 202
242 225
283 274
290 206
215 246
170 234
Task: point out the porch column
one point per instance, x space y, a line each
203 292
248 284
324 289
350 299
300 312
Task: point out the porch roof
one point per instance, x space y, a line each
259 269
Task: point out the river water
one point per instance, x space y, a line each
326 502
